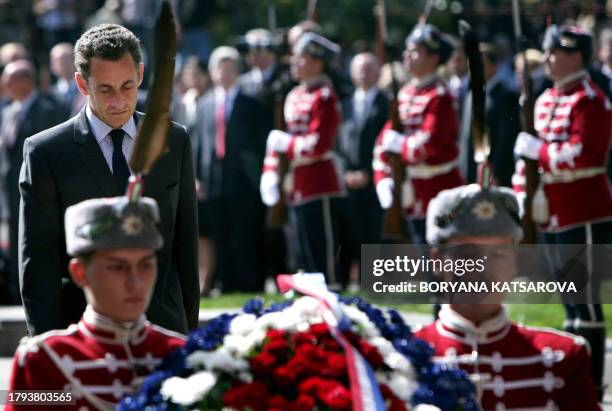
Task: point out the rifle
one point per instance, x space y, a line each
394 226
532 176
277 214
150 143
482 145
311 11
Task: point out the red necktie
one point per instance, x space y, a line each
220 129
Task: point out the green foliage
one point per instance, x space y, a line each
344 21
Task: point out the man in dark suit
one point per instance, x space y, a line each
86 157
65 90
27 114
267 78
268 81
502 118
364 115
230 152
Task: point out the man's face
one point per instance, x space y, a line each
364 71
457 64
16 84
418 61
500 266
304 67
62 63
225 74
260 58
117 283
605 52
560 63
112 88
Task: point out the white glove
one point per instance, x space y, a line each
384 191
393 141
527 146
268 188
278 141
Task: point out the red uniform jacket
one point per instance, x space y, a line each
520 367
430 124
312 115
96 360
575 122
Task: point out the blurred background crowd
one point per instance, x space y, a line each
244 45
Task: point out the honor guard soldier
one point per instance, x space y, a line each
312 115
573 120
514 367
106 355
427 143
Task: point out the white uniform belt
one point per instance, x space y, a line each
304 161
569 176
427 171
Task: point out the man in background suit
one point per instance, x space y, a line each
86 157
65 89
230 152
268 81
267 77
502 118
27 114
364 115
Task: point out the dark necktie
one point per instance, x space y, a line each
121 171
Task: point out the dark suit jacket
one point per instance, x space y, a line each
356 145
244 147
63 166
504 123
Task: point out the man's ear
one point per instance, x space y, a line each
78 271
81 83
140 73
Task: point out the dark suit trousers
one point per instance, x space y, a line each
236 225
316 227
591 323
360 222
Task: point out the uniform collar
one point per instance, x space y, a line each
455 326
570 80
316 82
105 329
424 82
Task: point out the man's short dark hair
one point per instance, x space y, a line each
108 42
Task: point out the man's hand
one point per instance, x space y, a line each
384 191
278 141
393 141
357 179
268 188
199 190
527 146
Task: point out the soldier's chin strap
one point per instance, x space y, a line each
485 175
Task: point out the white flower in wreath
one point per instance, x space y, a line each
426 407
187 391
243 324
132 225
484 210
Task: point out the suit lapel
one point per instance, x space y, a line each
90 153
